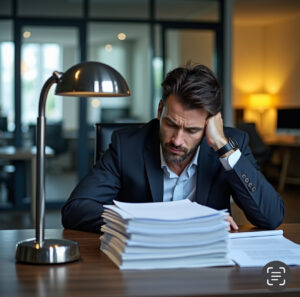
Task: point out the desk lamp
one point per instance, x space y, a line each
260 102
87 79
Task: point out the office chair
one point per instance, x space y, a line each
55 140
6 179
261 152
3 124
54 137
6 169
103 136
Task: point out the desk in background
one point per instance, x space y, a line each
96 275
14 155
287 143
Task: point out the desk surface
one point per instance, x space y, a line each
95 274
282 140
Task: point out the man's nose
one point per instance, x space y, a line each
177 138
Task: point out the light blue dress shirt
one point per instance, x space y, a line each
184 186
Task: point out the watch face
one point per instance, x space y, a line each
233 143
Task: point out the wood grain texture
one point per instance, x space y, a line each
96 275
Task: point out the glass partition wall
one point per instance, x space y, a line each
141 39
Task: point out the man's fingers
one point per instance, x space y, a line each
232 224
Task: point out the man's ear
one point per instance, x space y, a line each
160 109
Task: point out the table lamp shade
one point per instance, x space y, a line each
260 101
92 79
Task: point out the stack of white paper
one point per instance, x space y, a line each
256 249
175 234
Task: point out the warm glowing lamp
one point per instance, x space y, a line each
87 79
260 102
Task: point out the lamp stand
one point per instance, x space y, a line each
40 250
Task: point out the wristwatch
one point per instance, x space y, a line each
230 145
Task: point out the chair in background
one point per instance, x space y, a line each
103 136
3 124
6 169
6 181
261 152
55 140
54 137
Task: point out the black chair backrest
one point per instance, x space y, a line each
255 141
3 124
54 137
104 132
259 149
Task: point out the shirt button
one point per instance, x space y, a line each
253 189
250 185
246 180
244 176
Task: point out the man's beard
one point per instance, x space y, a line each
176 159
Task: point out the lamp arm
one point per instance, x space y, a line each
45 90
40 164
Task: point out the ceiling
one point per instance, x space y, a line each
264 12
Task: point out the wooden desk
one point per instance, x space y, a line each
287 143
14 154
96 275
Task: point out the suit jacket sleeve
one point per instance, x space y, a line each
251 191
83 209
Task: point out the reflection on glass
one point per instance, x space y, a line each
38 63
124 47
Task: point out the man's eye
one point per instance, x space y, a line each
192 131
171 125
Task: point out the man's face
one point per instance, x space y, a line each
181 130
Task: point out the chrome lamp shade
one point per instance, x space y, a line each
87 79
92 79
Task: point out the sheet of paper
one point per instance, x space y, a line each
175 210
255 234
260 250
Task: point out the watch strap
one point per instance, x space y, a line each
230 145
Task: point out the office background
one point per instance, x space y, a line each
253 47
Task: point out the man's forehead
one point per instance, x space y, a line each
188 121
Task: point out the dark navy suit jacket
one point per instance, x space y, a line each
130 171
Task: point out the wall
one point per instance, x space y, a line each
266 59
282 62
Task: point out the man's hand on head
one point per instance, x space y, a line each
214 132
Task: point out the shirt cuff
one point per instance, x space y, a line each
229 161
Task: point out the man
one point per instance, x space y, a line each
183 154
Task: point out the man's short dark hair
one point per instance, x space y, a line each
195 86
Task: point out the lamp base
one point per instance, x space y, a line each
53 251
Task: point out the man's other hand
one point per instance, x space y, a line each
232 224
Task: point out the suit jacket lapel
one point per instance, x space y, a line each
207 163
152 164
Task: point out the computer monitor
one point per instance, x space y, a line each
288 121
